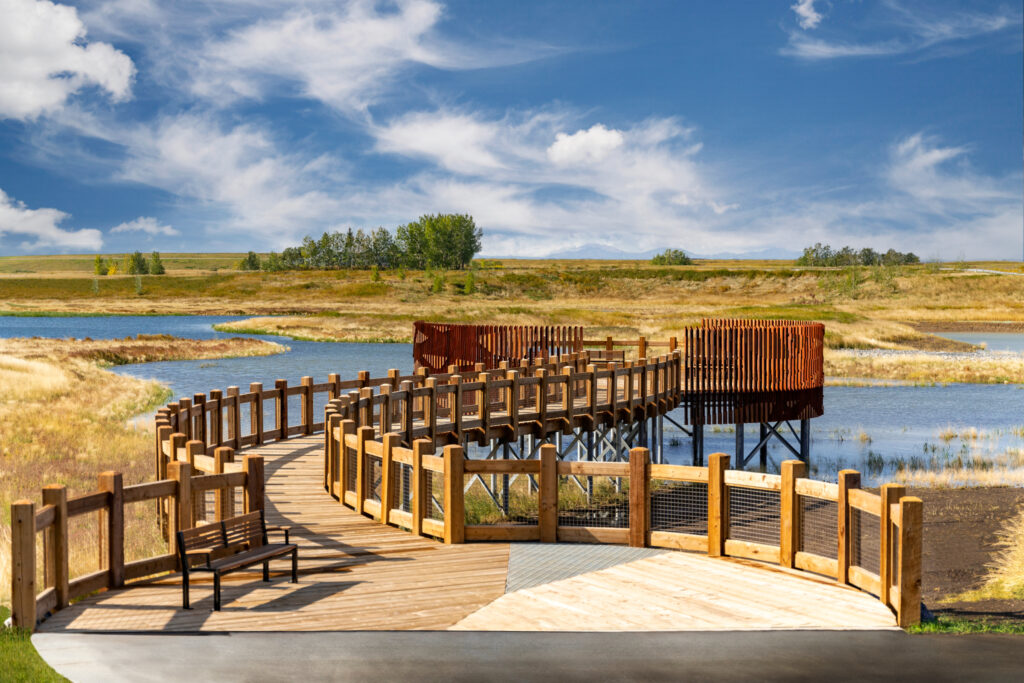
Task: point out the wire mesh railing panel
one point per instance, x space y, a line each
433 504
865 540
819 527
679 506
593 501
506 499
373 472
350 478
753 515
401 486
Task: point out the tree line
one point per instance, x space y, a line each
823 255
441 241
132 264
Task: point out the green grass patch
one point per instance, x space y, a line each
966 626
19 661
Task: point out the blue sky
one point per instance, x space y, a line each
712 126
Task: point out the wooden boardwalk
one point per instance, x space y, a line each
356 574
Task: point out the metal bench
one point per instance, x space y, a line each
230 545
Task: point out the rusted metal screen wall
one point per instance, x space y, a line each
753 371
437 346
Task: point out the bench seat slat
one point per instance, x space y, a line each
251 556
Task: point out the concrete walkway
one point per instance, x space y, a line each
562 657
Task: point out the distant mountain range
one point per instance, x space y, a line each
602 252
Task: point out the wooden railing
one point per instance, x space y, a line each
179 495
381 459
869 541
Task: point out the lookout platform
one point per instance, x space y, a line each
360 575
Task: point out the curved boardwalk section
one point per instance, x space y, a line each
356 574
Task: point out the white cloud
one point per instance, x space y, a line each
807 16
921 168
347 57
41 227
459 142
918 31
145 224
237 171
44 59
584 146
537 187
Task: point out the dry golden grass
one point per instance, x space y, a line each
621 298
64 419
992 369
1005 577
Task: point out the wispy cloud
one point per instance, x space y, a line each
919 30
147 225
45 58
807 16
346 56
40 228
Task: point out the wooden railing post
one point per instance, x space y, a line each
163 435
639 522
408 412
57 541
387 493
909 576
641 348
181 507
789 510
547 512
252 465
542 398
454 503
347 427
430 409
420 447
330 417
363 434
234 418
185 417
112 483
224 501
216 417
385 408
366 407
192 449
848 479
23 564
718 504
334 379
307 405
890 495
256 413
199 407
281 418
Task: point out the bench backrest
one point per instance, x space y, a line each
226 537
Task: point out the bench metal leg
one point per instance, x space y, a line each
184 590
295 566
216 591
266 571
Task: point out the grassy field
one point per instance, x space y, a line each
64 419
863 308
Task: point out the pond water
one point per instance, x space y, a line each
875 429
993 341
